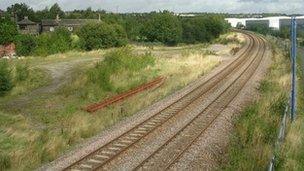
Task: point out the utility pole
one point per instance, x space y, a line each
294 67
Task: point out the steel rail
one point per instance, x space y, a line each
236 62
189 123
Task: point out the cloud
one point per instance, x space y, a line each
230 6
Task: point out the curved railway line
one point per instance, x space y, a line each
204 103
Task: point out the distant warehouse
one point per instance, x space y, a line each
251 24
285 23
275 23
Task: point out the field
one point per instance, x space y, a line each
42 116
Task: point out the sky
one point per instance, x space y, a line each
227 6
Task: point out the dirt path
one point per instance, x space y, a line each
60 74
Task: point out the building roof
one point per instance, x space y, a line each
49 22
26 21
52 22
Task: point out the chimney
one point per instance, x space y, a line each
57 17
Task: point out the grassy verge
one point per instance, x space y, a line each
49 126
256 129
24 78
292 154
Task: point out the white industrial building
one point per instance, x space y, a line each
274 22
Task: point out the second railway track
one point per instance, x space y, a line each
205 102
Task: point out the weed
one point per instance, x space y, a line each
22 71
255 133
118 61
5 77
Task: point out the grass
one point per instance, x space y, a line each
50 125
255 133
292 153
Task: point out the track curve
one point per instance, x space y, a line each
212 96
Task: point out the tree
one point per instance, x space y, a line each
21 10
163 27
101 35
8 31
56 10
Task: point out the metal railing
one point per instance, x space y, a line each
293 98
281 137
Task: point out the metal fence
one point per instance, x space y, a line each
291 106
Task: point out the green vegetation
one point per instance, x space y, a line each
25 45
292 154
58 41
255 134
8 31
5 78
101 35
202 29
116 62
115 30
163 27
50 124
283 32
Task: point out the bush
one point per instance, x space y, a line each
163 27
22 72
25 45
5 77
121 60
58 41
8 31
101 35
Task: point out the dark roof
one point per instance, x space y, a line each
76 21
26 21
50 22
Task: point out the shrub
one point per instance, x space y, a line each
163 27
25 45
22 72
58 41
8 31
101 35
75 42
120 60
5 77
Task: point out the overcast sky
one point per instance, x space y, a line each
230 6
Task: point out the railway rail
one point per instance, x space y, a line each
209 99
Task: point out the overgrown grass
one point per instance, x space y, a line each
23 78
255 133
292 153
51 125
118 62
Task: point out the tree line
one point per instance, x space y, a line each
115 30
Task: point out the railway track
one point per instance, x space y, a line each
221 88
